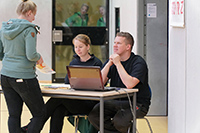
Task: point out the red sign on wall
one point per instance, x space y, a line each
176 13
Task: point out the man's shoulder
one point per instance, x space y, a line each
137 59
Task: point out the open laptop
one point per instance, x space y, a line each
86 78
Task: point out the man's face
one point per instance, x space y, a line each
120 45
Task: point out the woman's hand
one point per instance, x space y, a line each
40 61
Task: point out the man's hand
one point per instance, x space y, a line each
127 79
115 58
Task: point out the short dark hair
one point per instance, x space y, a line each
128 36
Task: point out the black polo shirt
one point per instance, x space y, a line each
136 67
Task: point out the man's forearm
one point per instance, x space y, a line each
105 71
127 79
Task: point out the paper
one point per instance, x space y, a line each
151 10
55 86
45 69
177 13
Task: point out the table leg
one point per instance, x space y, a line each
101 115
134 111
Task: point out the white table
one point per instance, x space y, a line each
92 95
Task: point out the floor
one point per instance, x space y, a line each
159 124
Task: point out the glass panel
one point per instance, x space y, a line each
80 13
75 17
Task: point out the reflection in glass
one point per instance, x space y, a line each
102 20
79 13
79 18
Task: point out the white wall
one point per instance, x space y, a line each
128 21
43 19
184 73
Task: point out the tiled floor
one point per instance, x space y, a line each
158 123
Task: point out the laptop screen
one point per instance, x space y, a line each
85 77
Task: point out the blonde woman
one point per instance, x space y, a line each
19 57
72 106
83 57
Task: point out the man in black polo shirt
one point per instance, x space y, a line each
125 70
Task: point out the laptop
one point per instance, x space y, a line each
86 78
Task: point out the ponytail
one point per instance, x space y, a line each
25 6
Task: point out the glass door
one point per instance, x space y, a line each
73 17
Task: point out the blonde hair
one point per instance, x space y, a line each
82 38
25 6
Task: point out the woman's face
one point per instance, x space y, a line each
80 48
84 10
102 11
30 16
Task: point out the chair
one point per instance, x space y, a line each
148 123
76 121
145 117
82 124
